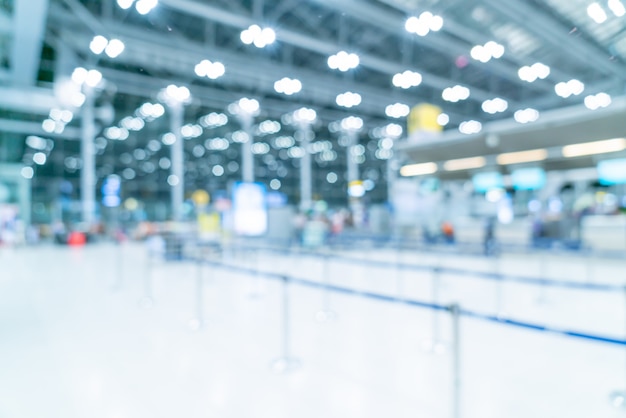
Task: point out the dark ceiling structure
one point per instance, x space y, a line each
518 52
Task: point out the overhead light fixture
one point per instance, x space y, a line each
407 79
597 101
209 69
526 115
455 94
597 13
595 147
288 86
418 169
397 110
424 24
617 7
260 37
533 72
567 89
522 156
465 164
484 53
348 99
343 61
470 127
494 106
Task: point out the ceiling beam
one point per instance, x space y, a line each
33 100
34 128
29 27
319 46
555 33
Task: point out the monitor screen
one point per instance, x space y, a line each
483 182
249 209
612 171
528 178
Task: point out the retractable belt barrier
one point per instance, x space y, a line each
420 304
449 270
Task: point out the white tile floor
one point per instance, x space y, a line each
72 345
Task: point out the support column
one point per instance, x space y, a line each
306 177
247 158
88 155
177 156
353 166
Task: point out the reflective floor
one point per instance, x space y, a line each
79 338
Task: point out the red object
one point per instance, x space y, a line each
76 239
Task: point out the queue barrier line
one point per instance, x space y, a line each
449 270
422 304
561 250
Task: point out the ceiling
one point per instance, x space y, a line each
42 41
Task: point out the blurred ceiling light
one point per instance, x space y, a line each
596 147
418 169
212 70
455 94
144 7
213 120
397 110
114 48
423 24
260 37
407 79
288 86
175 95
617 7
343 61
600 100
245 106
464 164
526 115
533 72
304 116
98 44
470 127
352 123
597 13
348 99
125 4
522 156
443 119
484 53
494 106
567 89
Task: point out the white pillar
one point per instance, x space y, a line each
306 177
247 158
353 165
177 156
88 155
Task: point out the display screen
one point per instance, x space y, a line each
528 178
249 209
612 171
483 182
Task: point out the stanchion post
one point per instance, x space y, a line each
456 361
119 267
196 323
543 270
499 278
147 300
435 345
286 363
618 398
326 314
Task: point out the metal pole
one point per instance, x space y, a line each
147 301
285 363
247 158
197 322
353 166
543 272
306 191
456 361
177 155
499 285
88 155
326 314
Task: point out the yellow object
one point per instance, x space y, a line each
208 222
423 117
201 197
